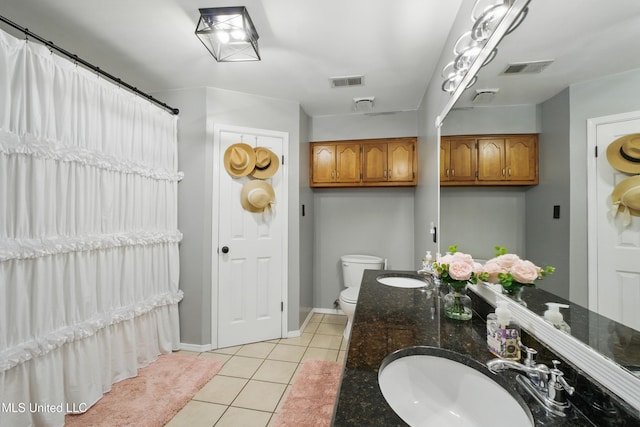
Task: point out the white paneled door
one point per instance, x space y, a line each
251 280
614 249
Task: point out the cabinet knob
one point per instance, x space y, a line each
389 173
453 172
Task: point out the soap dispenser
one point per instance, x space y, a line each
503 333
553 316
428 260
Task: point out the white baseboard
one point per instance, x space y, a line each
196 347
328 311
293 334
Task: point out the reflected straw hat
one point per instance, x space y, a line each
266 163
257 195
624 153
626 198
239 160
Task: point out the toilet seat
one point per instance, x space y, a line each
350 295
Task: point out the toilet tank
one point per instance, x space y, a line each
353 266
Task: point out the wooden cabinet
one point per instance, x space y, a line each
374 162
489 160
507 159
388 162
401 161
334 163
364 163
458 160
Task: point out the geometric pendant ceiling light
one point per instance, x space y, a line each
228 34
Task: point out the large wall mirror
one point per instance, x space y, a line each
570 61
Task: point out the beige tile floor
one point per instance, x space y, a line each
254 381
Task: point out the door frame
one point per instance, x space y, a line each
592 208
283 209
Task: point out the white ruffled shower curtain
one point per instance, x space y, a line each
88 235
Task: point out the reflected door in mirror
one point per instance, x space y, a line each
618 245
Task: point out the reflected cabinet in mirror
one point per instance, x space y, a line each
569 73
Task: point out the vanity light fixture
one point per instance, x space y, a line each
487 31
228 34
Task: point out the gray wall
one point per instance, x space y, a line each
479 218
361 126
547 239
195 158
619 93
241 109
488 120
201 109
306 224
476 219
370 221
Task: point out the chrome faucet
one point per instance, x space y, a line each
538 372
548 386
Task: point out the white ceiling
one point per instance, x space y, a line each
396 45
586 39
151 44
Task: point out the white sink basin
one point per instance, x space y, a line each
426 390
401 282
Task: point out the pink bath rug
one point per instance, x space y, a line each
312 398
153 397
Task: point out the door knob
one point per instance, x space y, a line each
225 249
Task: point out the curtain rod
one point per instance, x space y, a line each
88 65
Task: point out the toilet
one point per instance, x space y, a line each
353 267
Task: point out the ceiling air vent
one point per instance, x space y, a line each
484 96
347 81
527 67
363 105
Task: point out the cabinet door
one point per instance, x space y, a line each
491 160
521 154
462 160
445 153
400 161
324 162
348 163
374 162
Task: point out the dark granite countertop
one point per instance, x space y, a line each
614 340
388 319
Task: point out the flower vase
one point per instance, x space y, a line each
515 293
457 305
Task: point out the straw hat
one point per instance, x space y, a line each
624 153
257 195
626 195
239 160
266 163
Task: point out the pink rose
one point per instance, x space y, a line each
478 268
492 268
459 256
446 259
460 270
525 272
507 260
